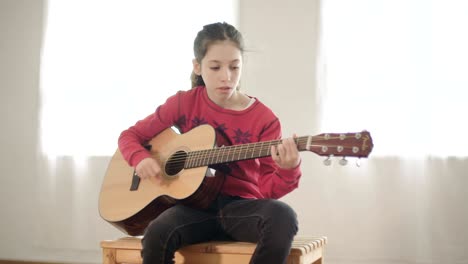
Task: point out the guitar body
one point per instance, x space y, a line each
130 203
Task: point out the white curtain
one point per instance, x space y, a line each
105 64
398 69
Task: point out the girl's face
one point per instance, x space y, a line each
221 70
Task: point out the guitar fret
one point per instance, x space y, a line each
225 154
208 157
261 150
264 150
219 155
199 159
205 158
222 154
230 154
213 156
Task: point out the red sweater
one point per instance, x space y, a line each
254 178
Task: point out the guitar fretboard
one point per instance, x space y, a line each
237 152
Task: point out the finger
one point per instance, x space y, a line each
274 153
291 146
141 174
286 146
282 149
277 155
147 172
291 152
155 171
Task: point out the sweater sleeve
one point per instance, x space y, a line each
131 141
276 182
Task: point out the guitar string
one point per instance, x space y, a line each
200 154
201 157
199 160
275 142
264 150
195 157
254 146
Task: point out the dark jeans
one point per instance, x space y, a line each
270 223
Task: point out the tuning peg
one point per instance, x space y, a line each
327 162
343 161
358 162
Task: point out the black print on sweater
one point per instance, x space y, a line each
198 121
180 123
242 137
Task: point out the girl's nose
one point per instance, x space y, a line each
226 75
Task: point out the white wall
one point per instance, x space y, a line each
281 43
20 43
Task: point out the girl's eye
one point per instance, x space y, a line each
235 67
214 68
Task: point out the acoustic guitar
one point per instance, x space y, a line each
129 203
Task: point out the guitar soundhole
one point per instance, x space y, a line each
175 163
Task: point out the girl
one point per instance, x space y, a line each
246 208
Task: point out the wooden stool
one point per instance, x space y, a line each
127 250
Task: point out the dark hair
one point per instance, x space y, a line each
209 34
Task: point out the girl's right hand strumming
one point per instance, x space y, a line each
148 168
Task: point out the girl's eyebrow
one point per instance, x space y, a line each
217 61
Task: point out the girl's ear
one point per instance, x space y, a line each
196 67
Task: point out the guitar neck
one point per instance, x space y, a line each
238 152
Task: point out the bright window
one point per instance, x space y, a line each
106 64
398 69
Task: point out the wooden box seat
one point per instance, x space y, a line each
127 250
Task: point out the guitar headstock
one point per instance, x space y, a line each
342 144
